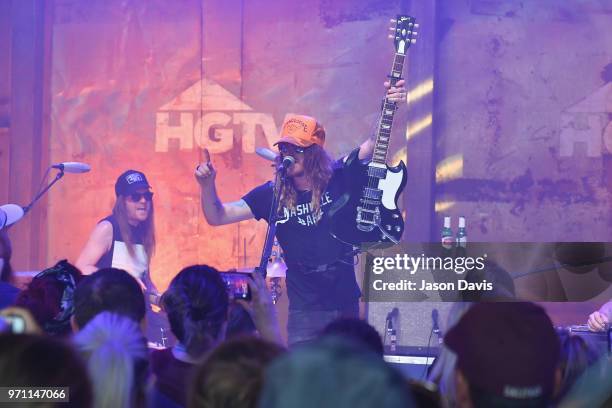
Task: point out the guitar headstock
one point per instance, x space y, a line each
404 33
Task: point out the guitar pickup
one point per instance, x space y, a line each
372 193
365 201
377 172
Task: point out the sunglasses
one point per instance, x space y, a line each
136 197
289 149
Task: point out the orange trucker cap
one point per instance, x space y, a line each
301 130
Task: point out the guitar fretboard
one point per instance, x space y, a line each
381 146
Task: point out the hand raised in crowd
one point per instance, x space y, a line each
397 93
598 321
262 310
25 321
205 173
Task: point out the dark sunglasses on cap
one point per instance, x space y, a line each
288 149
136 197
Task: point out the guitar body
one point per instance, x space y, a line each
368 212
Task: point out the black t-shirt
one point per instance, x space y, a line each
320 273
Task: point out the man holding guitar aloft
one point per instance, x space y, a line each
321 283
318 198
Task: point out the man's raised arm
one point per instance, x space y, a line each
215 211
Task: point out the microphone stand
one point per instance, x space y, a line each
58 176
271 231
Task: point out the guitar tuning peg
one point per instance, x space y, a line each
391 37
392 28
413 41
393 20
416 25
415 33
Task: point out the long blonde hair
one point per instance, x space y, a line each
116 354
318 169
148 227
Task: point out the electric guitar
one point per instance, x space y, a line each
368 211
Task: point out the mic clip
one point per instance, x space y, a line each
59 167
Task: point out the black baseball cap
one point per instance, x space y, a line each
130 181
509 349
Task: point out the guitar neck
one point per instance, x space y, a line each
383 134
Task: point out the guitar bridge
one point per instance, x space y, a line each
367 219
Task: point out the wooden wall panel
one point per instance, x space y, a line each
5 97
28 144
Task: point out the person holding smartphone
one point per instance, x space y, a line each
197 303
17 320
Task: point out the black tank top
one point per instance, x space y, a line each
119 257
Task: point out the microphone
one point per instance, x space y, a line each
72 167
393 314
435 328
287 162
391 329
266 153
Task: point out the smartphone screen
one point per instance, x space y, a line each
15 323
237 284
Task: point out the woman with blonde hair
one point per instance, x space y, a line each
117 360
